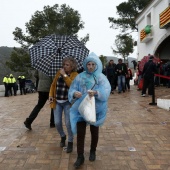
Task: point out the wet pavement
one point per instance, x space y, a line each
135 135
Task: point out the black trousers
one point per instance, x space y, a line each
42 98
10 86
6 89
127 83
148 83
22 89
111 79
81 131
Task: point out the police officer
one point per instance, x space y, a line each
5 81
12 84
21 80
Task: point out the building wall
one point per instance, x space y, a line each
150 16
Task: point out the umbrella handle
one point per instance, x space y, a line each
59 50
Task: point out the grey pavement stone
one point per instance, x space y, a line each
135 135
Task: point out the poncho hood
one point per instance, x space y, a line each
92 57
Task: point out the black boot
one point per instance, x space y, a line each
52 125
27 124
92 156
62 143
79 161
70 147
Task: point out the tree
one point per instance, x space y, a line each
127 12
124 45
61 20
103 60
20 61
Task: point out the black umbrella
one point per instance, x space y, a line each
47 54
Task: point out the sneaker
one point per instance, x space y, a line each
28 126
143 95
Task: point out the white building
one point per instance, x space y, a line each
154 30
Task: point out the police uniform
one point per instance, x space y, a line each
12 84
21 80
5 81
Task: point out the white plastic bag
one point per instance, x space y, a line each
87 109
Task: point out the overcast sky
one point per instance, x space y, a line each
94 13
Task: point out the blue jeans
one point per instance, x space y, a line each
58 111
121 83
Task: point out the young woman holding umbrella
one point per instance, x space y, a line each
58 98
91 78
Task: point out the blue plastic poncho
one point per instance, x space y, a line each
84 82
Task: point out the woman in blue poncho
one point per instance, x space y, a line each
92 77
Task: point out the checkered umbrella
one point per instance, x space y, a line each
47 54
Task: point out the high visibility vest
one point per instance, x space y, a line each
22 77
5 80
11 80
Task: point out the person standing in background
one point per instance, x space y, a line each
12 85
148 74
5 81
21 80
111 75
43 93
121 70
128 78
134 64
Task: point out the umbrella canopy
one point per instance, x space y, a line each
146 59
47 54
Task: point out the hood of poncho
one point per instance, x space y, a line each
92 57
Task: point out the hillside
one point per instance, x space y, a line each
5 53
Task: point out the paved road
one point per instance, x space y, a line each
135 135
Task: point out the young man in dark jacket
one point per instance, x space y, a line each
148 74
121 70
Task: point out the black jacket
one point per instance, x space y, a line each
149 70
121 67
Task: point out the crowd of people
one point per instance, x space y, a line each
153 74
11 85
149 74
119 75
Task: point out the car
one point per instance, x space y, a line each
29 86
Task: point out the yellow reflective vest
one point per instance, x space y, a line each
11 80
5 80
